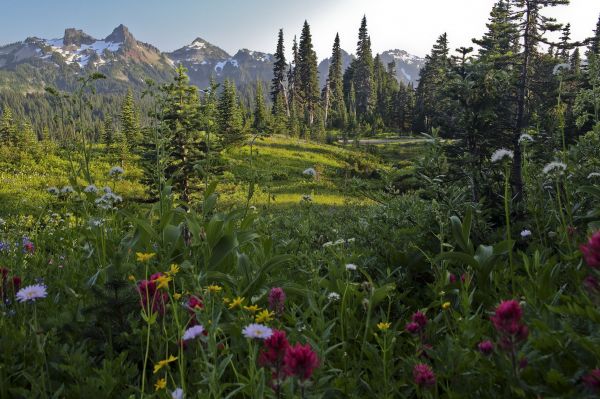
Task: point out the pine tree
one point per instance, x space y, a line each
229 116
565 43
108 133
594 47
497 46
8 128
28 140
335 115
363 73
576 62
306 79
279 75
130 123
260 122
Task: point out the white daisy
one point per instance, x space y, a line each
193 332
333 296
257 331
351 267
525 233
31 293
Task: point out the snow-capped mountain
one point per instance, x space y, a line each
324 66
408 66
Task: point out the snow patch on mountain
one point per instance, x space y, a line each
82 54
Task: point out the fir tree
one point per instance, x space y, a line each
363 73
279 75
497 46
335 114
108 133
8 128
306 78
565 43
594 47
130 123
260 122
229 116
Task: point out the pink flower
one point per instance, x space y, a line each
150 297
412 327
274 350
277 300
507 318
300 361
591 250
591 284
452 278
486 347
423 375
195 303
419 318
592 380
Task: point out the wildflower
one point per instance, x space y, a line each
555 166
277 299
592 284
525 138
91 189
264 316
592 175
558 67
28 246
485 347
507 321
164 363
310 172
177 394
257 331
31 293
252 308
107 190
452 278
66 190
412 327
131 277
214 289
591 250
446 305
333 296
163 281
53 190
592 380
423 375
350 267
328 244
307 198
149 295
160 384
384 326
195 303
300 361
500 154
419 318
144 257
116 171
525 233
237 302
173 270
193 332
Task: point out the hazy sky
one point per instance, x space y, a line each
411 25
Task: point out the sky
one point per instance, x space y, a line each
411 25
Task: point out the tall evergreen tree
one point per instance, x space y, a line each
8 128
307 81
363 73
565 43
498 44
595 40
335 115
108 133
260 122
279 75
130 122
229 116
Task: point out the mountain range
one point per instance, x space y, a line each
30 65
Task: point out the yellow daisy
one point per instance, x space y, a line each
143 257
214 289
160 384
176 296
384 326
446 305
173 270
131 278
237 302
252 308
164 363
163 281
264 316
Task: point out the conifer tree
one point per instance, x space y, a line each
130 123
108 133
594 47
565 43
279 75
260 122
363 73
28 140
306 78
335 105
229 116
497 46
8 128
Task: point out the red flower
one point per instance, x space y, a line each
486 347
592 380
423 375
195 303
419 318
276 300
16 283
507 318
300 361
413 327
452 278
591 250
151 297
591 284
274 350
3 273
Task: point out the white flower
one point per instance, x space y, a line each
53 190
525 233
559 167
66 190
107 189
351 240
177 394
306 198
502 153
558 67
351 267
96 222
116 171
192 332
333 296
91 189
31 293
328 244
525 138
593 174
310 172
339 242
257 331
2 222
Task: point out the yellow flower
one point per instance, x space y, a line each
131 277
174 270
252 309
176 296
237 302
160 384
384 326
264 316
142 257
163 281
226 300
446 305
214 288
164 363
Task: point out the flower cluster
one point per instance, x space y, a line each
8 285
501 154
151 297
277 300
591 251
417 323
507 321
423 375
